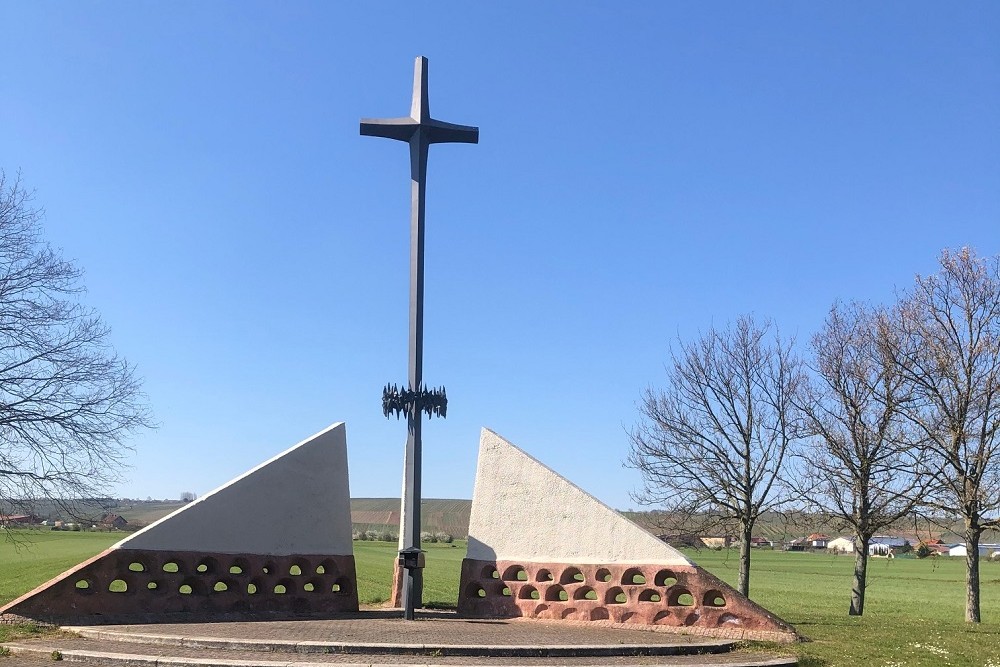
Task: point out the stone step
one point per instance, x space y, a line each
105 653
569 644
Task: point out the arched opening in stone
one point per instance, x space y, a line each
528 593
556 594
665 578
328 566
192 586
342 586
633 577
239 566
680 597
475 590
207 565
615 595
649 595
714 599
571 575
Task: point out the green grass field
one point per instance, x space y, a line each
35 556
913 614
374 563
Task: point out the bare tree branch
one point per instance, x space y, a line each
68 403
948 351
711 445
861 466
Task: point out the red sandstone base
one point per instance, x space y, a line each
396 599
130 582
687 598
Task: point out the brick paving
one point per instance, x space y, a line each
433 628
367 638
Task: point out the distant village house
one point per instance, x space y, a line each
9 520
817 541
841 545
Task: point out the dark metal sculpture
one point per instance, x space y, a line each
401 401
420 131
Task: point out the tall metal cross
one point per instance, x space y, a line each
420 131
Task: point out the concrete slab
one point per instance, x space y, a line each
297 502
522 510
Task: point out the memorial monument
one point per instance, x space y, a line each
277 540
420 131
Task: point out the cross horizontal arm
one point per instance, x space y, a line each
440 132
390 128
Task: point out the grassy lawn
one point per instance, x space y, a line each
374 562
914 609
913 613
35 556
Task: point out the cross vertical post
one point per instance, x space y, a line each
420 131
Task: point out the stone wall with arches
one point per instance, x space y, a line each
124 583
686 598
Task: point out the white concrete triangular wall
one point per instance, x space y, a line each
298 502
539 547
524 511
275 540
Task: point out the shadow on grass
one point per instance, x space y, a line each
811 661
437 605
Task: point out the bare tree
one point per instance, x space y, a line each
860 467
711 445
67 402
949 352
188 497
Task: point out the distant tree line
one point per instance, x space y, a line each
891 410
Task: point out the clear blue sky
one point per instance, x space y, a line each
644 170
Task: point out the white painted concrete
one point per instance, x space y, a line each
298 502
523 511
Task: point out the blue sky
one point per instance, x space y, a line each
644 171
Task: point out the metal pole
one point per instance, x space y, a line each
420 131
413 576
